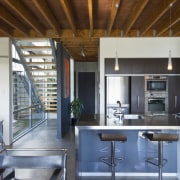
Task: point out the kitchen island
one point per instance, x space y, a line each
134 151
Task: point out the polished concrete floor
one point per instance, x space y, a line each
44 136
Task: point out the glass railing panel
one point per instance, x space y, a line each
37 114
21 100
21 121
25 110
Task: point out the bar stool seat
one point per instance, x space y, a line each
160 138
112 138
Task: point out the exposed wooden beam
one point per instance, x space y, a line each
5 28
90 9
88 51
156 15
113 13
137 10
75 46
166 26
69 15
176 30
47 13
77 39
88 46
12 21
177 33
67 35
82 33
26 15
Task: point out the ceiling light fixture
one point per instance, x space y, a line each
169 67
116 66
82 53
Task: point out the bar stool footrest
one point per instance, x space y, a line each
155 162
108 161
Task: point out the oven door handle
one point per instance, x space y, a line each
152 100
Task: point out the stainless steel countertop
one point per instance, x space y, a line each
117 106
169 122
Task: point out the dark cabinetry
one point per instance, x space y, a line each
174 94
137 94
142 66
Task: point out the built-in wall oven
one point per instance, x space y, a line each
156 103
156 95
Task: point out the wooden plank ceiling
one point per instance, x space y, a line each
79 24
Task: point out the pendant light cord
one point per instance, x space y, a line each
170 19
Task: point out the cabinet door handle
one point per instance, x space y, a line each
175 101
138 102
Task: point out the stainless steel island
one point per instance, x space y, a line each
134 151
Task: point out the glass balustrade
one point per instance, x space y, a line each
27 108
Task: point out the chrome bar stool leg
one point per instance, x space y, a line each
112 153
160 138
160 158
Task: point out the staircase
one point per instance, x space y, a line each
39 61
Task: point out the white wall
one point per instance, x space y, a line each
5 89
134 48
71 79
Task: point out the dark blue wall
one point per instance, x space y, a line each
63 113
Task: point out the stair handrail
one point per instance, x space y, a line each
22 109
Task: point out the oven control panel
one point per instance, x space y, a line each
156 94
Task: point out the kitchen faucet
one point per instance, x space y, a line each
119 113
120 108
119 104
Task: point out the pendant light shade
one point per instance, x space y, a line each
82 53
169 62
116 66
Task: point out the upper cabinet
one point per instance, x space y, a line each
142 66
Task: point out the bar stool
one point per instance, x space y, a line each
160 138
112 138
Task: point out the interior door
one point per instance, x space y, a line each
86 91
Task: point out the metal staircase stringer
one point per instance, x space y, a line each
22 60
53 49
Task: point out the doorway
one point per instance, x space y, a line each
86 91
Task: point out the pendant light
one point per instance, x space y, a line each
82 53
116 66
169 62
169 67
